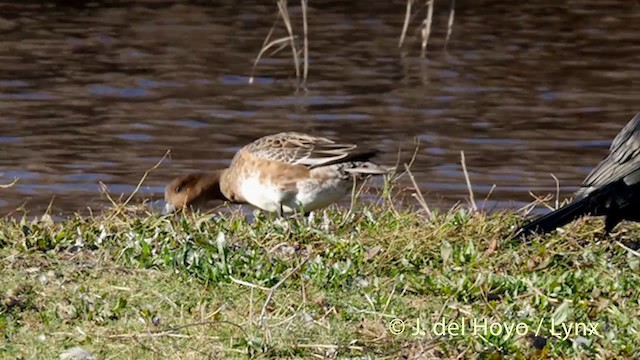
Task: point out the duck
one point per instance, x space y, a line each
283 173
611 189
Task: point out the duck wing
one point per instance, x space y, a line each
300 149
622 162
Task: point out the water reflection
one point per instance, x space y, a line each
98 92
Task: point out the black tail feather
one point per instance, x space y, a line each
364 155
558 218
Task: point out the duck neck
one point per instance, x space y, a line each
209 184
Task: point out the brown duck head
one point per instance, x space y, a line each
192 191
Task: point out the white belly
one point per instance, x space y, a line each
261 195
307 196
313 195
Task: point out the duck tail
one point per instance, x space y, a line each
368 168
557 218
356 156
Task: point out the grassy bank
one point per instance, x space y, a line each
128 287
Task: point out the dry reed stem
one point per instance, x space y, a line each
50 206
484 202
282 46
387 184
266 44
405 25
120 207
452 12
144 177
395 179
466 177
105 190
536 200
411 162
426 29
263 50
426 24
631 251
355 194
305 42
6 186
418 194
282 7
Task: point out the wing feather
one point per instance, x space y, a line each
622 162
299 149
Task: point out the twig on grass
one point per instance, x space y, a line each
273 289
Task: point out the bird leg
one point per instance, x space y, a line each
610 221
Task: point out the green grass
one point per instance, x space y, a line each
124 286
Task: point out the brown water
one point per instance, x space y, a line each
100 91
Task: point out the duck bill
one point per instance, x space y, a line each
168 209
